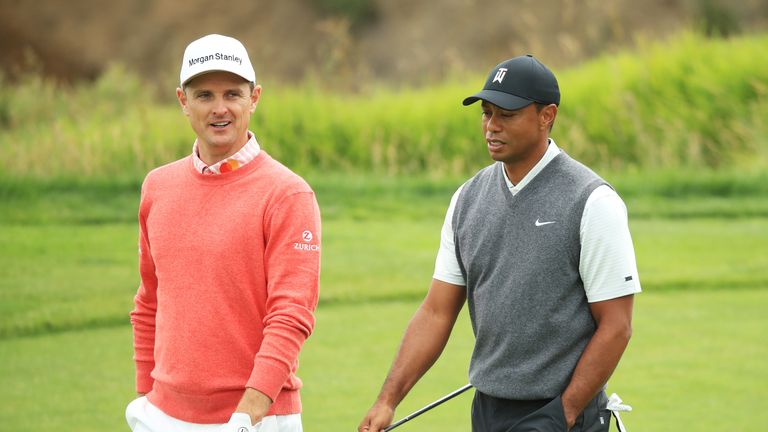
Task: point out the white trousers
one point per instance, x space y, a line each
142 416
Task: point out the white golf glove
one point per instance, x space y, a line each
614 404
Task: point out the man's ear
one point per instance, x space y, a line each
547 116
255 96
182 97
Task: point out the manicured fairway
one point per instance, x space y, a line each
696 363
58 277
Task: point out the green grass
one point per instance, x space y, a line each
684 193
69 275
695 363
344 364
63 257
683 102
696 360
64 200
702 253
60 277
57 277
75 381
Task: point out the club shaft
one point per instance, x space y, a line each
428 407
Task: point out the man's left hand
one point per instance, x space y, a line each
255 404
570 419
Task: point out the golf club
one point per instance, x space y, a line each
428 407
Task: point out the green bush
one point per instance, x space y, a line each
691 102
688 102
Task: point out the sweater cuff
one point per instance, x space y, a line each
144 380
268 379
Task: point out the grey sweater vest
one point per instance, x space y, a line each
520 259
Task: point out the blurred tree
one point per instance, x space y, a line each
359 13
716 19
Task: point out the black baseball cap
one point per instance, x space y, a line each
517 83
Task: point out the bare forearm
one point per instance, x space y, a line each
596 365
423 342
600 357
255 404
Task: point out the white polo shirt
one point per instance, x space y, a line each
607 253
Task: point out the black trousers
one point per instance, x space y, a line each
492 414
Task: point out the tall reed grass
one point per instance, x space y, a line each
688 102
692 102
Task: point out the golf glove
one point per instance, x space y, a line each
615 405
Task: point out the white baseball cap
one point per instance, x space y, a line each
216 53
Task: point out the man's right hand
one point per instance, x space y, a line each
379 417
424 340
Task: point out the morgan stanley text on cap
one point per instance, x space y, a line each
216 53
518 82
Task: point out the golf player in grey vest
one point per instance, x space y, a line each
539 247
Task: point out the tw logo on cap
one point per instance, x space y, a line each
499 75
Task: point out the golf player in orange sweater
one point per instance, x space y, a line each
229 258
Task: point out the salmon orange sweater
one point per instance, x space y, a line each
229 269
